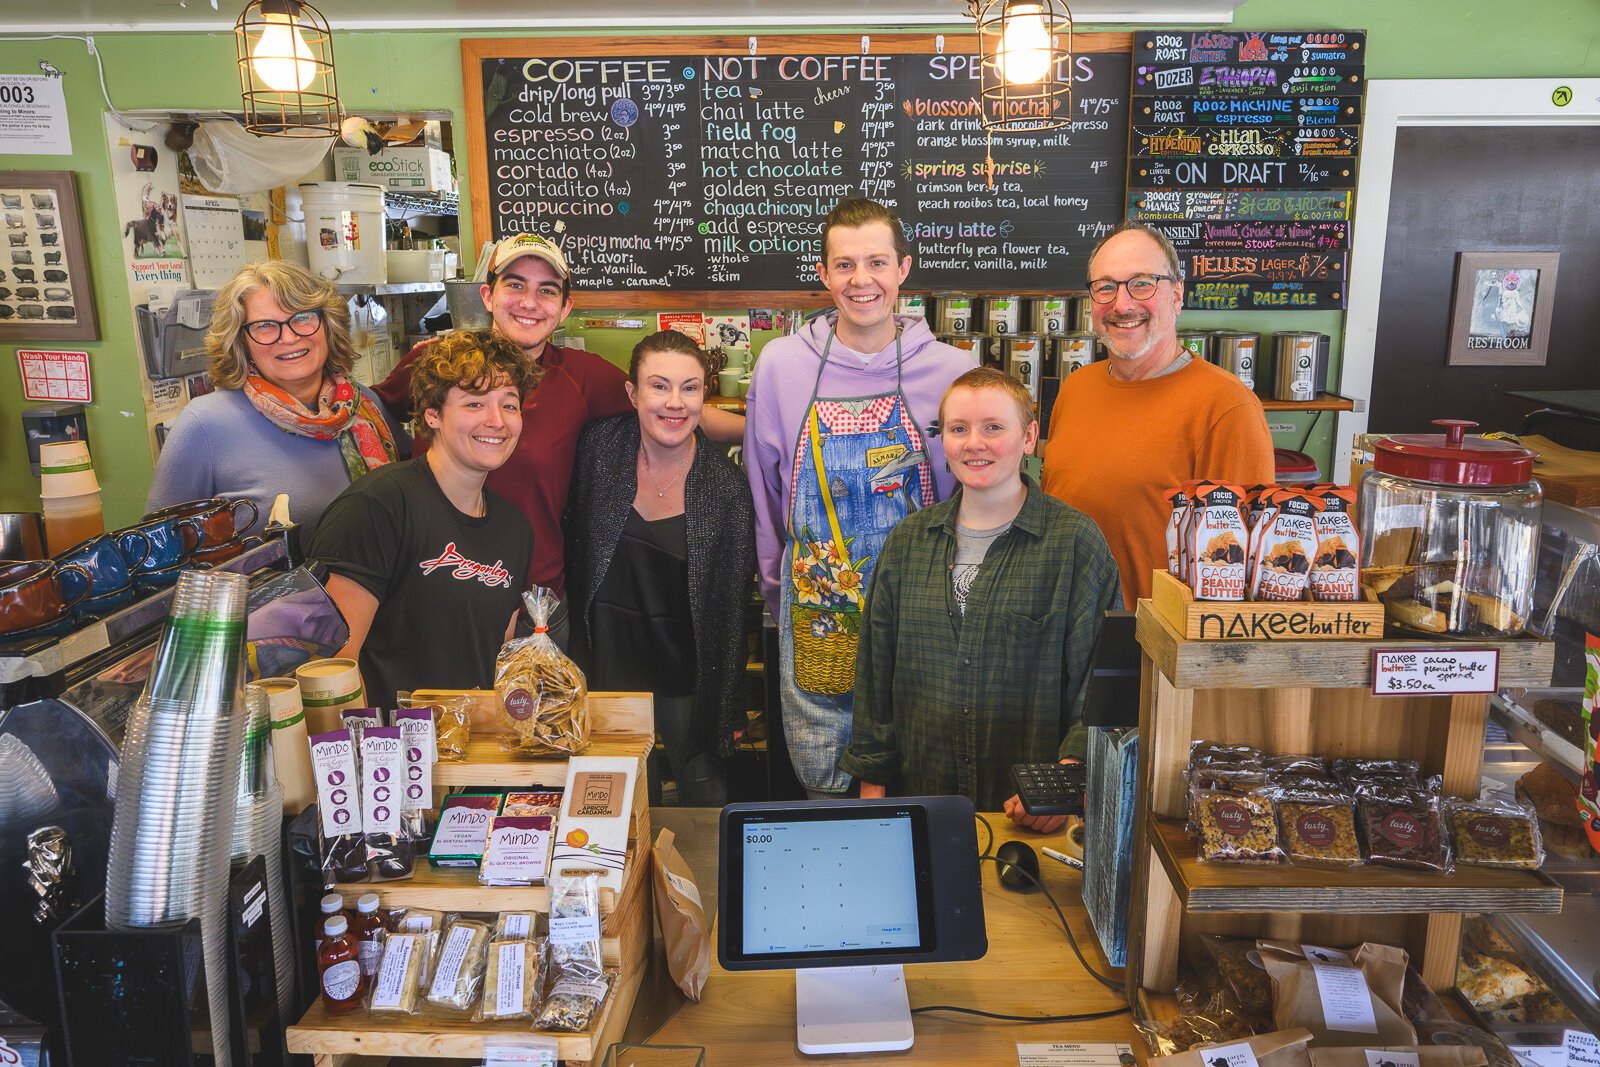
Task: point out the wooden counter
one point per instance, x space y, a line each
749 1017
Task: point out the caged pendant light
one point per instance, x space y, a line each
1026 49
286 76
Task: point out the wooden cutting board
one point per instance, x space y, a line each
1569 476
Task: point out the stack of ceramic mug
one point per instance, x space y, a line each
178 781
33 600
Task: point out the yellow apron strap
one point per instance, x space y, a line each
822 481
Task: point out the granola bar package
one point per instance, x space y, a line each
1495 830
1336 568
1343 998
1237 828
573 1002
1284 547
544 699
1216 542
575 924
1318 828
512 979
1403 828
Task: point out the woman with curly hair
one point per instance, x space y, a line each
286 416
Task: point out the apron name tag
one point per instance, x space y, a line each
881 457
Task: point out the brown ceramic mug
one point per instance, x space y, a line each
30 593
218 518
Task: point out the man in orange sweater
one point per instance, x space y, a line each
1129 428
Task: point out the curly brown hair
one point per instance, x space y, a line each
474 360
295 289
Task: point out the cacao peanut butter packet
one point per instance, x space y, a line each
1285 541
1179 501
1255 510
1216 543
1336 569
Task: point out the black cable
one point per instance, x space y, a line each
1110 983
1083 1018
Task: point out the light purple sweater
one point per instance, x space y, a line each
780 395
220 445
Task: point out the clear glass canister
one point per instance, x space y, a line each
1450 532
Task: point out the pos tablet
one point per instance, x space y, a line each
846 891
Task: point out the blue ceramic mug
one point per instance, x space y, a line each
109 570
170 543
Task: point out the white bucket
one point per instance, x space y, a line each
344 231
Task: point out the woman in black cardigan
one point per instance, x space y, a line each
661 550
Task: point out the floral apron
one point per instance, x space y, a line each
860 466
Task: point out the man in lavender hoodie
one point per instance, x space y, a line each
838 449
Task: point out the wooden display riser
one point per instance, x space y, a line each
622 724
1303 697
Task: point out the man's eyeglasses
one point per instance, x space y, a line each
268 331
1140 287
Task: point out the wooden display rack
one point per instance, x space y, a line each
1301 697
621 724
1263 620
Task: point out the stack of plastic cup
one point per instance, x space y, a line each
179 780
258 831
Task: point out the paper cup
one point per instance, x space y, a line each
291 746
327 687
66 470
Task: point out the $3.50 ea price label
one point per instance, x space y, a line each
1435 671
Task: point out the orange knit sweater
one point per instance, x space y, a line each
1115 447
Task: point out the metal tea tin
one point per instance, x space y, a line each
912 304
1020 356
1003 315
1198 342
1082 315
1236 353
1049 314
1294 357
1072 351
976 343
954 312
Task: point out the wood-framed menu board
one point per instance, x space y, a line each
1243 151
697 170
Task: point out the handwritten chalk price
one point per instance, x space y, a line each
1435 671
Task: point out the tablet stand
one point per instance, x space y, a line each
852 1009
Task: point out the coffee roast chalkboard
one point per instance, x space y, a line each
1243 152
710 171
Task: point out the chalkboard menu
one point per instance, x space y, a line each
1243 152
691 175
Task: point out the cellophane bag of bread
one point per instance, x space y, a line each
452 724
1282 1048
1284 545
1494 830
682 917
573 1001
405 966
514 972
1343 998
1417 1055
1236 964
1216 542
544 700
575 924
1588 799
1336 570
458 972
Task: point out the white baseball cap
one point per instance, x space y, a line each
515 247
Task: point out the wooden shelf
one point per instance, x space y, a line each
727 403
360 1034
1323 402
1369 890
1309 664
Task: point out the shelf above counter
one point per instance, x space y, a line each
387 288
1366 890
1323 402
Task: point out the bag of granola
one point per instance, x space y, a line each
544 699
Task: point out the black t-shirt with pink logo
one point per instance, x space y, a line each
446 583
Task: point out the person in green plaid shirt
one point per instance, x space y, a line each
980 620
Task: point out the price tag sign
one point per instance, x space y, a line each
1434 671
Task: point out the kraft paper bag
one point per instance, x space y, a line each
1345 998
1284 1048
683 918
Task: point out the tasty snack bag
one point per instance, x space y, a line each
543 695
1284 546
1336 568
1216 542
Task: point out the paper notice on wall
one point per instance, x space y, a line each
33 116
1346 1000
49 375
166 398
690 323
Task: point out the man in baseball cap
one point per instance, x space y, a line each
528 291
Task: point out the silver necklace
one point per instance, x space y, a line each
662 487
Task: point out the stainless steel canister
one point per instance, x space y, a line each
912 304
1294 357
1198 342
1003 315
1049 314
1020 356
976 343
1235 353
1073 350
1082 315
954 313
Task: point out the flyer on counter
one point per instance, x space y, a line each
1072 1054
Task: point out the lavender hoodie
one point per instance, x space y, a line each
780 397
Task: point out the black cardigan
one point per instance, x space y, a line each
720 520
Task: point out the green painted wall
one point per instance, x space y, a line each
422 70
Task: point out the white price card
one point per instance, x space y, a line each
1434 671
1075 1054
1583 1050
1541 1055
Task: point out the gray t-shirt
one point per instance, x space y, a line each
971 547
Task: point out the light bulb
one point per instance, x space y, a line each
281 57
1024 56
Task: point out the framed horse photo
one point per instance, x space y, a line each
46 293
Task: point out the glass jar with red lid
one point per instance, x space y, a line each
1450 532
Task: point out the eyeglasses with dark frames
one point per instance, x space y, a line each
268 331
1140 287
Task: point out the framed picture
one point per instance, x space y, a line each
45 289
1502 308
